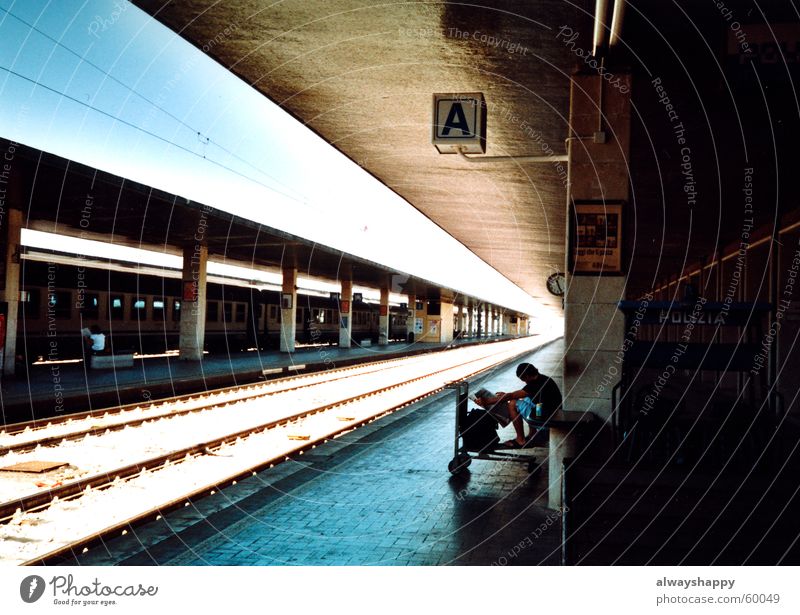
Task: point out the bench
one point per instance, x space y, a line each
563 427
111 361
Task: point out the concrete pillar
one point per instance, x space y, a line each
13 234
470 314
383 319
562 445
446 328
288 309
346 313
597 172
479 320
193 307
411 317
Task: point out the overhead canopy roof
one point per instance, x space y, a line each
64 197
362 76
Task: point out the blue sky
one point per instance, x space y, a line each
101 83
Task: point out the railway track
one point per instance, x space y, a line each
231 455
27 436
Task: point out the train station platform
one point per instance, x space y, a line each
379 495
52 389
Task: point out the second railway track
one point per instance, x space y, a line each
309 425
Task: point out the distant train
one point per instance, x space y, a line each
141 312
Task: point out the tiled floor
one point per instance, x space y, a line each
380 495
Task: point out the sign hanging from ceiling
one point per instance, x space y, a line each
459 121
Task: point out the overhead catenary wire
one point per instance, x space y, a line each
202 138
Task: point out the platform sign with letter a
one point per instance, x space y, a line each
459 121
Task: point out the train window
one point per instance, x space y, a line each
116 307
158 309
240 312
273 312
227 311
211 311
139 308
176 310
32 304
59 304
90 306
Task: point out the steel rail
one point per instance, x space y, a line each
42 499
154 513
250 392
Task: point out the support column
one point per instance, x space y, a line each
13 239
470 310
193 307
446 327
383 320
593 326
562 445
411 318
346 313
288 309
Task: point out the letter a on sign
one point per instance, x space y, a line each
459 123
456 120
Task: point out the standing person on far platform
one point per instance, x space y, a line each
96 340
538 389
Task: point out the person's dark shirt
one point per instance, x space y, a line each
544 391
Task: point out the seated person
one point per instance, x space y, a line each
538 389
95 340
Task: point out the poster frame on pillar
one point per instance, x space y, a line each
613 266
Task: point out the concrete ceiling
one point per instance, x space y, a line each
362 74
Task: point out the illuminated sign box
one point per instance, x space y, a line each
459 121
